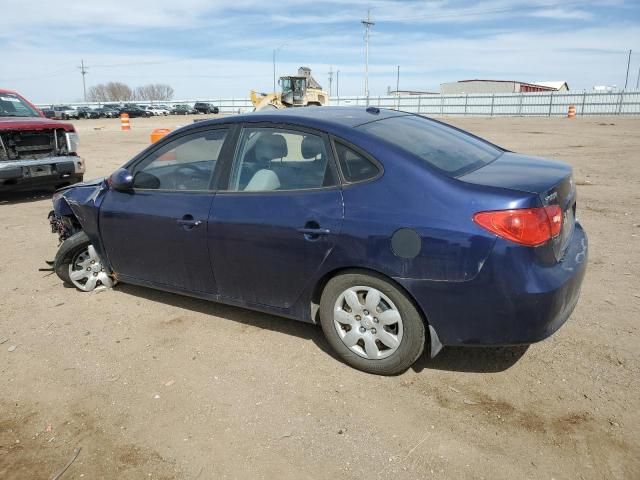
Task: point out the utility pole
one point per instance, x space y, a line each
330 79
338 85
367 25
626 80
83 71
398 87
638 79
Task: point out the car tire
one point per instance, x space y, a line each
69 253
385 357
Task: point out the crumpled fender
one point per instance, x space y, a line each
83 201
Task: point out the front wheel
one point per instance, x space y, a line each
371 323
78 264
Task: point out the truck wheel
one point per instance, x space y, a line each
78 264
371 323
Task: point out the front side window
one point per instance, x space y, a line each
269 159
185 164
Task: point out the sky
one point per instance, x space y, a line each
208 49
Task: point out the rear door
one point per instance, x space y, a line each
157 233
278 220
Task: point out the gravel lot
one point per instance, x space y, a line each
154 385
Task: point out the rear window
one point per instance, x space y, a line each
447 149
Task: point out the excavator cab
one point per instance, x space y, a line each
294 91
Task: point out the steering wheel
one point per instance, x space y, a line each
184 175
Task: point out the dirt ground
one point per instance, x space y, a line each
154 385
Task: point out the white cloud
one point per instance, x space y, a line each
562 14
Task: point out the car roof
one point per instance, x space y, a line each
327 118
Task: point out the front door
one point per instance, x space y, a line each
157 233
277 222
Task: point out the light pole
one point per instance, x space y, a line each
398 87
338 85
626 80
330 79
274 64
367 25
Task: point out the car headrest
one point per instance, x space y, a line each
271 146
262 181
311 146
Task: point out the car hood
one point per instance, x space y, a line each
32 123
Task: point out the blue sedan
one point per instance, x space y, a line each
394 232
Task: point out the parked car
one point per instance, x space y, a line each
87 112
48 112
107 111
183 110
35 151
157 111
65 112
391 230
135 111
202 107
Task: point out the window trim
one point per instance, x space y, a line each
345 143
331 159
215 177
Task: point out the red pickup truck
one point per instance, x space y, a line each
35 151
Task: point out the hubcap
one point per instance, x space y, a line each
87 272
368 322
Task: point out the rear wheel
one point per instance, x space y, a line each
78 264
371 323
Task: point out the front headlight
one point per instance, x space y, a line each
72 142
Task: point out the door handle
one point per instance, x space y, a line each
188 222
314 231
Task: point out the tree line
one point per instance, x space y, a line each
121 92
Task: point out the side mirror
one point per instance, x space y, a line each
121 180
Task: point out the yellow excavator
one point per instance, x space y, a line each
300 90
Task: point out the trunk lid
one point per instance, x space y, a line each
551 181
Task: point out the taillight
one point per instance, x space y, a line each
526 226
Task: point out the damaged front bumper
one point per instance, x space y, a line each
55 171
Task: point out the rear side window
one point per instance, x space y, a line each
355 167
449 150
270 159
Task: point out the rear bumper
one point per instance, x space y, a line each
514 300
47 171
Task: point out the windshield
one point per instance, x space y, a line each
12 105
285 83
451 151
